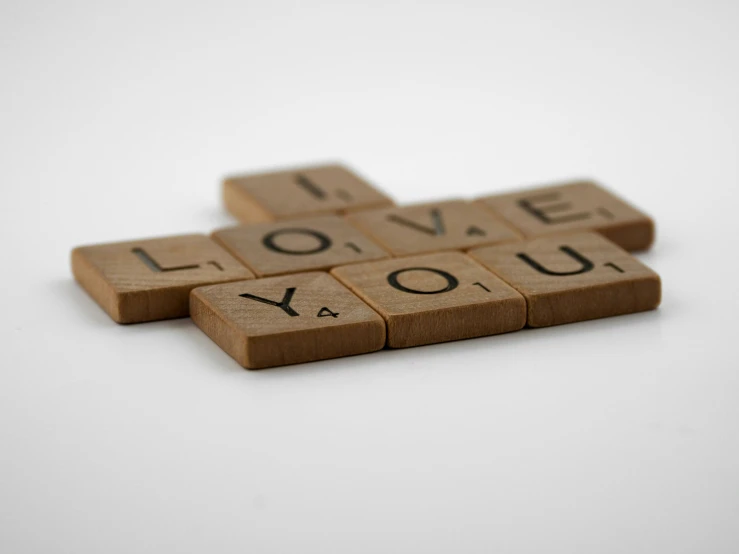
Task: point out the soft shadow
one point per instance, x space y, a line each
509 344
78 305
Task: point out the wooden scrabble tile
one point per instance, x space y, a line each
434 227
298 245
573 278
435 298
286 320
300 192
570 207
147 280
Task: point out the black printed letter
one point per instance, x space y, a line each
284 305
586 264
152 264
438 223
324 243
451 280
542 214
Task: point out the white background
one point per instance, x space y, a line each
118 120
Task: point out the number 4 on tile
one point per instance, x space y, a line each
325 312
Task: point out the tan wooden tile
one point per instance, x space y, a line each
570 207
433 227
286 320
298 193
298 245
435 298
573 278
147 280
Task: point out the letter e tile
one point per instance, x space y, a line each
571 207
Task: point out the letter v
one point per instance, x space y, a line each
436 220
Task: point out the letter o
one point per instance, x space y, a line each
324 243
451 280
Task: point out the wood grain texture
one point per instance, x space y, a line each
298 193
435 298
286 320
299 245
570 207
433 227
573 278
148 280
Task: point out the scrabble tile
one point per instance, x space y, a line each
435 298
433 227
147 280
298 245
571 207
286 320
573 278
300 192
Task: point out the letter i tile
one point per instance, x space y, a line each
286 320
299 193
573 278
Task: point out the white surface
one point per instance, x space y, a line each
118 121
